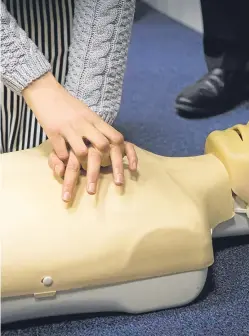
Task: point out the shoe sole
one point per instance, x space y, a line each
190 112
193 112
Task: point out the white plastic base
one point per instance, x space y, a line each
133 297
237 226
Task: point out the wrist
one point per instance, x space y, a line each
40 89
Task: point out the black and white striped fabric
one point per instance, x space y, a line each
49 24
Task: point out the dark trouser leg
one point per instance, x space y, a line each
226 33
226 48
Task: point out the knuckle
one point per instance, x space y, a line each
117 169
132 152
129 146
53 133
68 186
81 152
104 145
118 138
95 153
74 166
63 156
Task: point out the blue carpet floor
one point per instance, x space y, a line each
164 57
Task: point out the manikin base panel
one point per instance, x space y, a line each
133 297
236 226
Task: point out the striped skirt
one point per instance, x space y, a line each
49 24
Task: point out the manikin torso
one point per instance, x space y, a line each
151 227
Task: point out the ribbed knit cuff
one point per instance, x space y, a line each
24 73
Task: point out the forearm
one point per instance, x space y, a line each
21 60
98 53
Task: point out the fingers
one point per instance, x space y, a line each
77 144
115 137
94 136
94 160
60 148
56 165
93 169
71 177
131 156
98 140
117 165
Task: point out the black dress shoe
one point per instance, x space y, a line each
215 93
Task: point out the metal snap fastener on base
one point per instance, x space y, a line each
47 281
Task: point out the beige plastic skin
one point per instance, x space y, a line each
232 148
158 224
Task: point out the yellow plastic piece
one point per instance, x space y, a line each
231 147
158 224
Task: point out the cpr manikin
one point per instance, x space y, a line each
144 247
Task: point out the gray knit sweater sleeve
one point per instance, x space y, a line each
98 53
97 56
21 62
